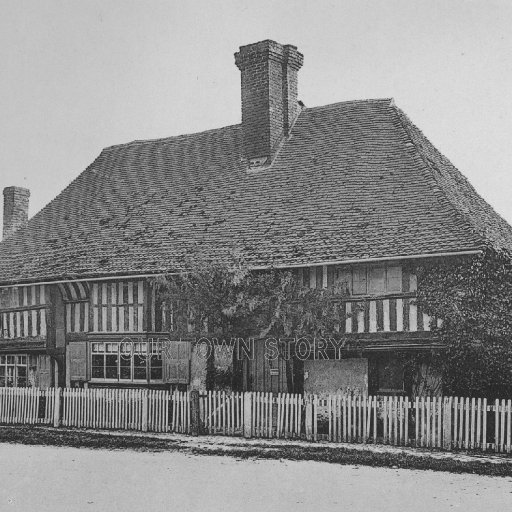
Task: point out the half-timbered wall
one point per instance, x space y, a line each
385 315
117 306
106 307
77 316
23 312
76 297
396 311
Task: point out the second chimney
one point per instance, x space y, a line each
15 209
269 97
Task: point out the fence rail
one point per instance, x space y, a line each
432 422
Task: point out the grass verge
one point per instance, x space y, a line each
33 435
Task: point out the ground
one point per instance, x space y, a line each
51 478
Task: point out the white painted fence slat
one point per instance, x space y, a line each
439 422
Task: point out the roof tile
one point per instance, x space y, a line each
355 180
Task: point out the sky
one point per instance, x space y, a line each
80 75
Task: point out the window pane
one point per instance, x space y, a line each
97 360
156 368
394 279
21 382
126 373
376 278
98 371
139 373
139 367
111 366
111 372
344 279
126 367
111 359
359 281
139 360
10 376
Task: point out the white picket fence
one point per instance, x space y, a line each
432 422
125 409
27 405
222 413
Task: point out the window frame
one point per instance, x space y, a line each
362 275
385 366
5 364
149 350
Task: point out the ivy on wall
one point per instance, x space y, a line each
226 301
473 296
229 300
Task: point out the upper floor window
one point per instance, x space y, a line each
372 279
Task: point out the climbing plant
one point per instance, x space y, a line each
226 301
473 297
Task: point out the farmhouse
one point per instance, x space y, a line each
350 192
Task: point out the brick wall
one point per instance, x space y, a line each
15 209
269 95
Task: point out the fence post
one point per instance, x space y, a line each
56 408
309 418
248 414
144 410
315 418
447 423
496 425
194 412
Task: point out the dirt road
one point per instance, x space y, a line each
69 479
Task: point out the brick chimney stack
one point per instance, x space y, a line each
269 97
15 209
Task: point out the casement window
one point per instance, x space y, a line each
14 371
372 279
126 361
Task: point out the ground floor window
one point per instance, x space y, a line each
13 371
386 375
391 376
126 361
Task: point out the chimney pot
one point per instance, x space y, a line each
15 209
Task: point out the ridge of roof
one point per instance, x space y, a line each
389 101
140 142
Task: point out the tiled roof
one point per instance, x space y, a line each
355 180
